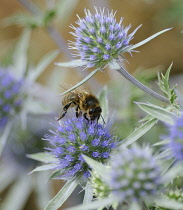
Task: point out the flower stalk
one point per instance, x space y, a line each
138 84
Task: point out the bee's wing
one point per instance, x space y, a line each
66 86
78 90
84 89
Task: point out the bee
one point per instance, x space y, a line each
85 104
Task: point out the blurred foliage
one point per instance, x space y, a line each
173 13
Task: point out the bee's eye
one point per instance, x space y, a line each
90 111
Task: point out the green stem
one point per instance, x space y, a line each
138 84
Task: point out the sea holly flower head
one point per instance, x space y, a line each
99 38
173 195
176 138
135 174
100 188
77 136
10 96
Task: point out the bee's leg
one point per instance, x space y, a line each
85 116
64 111
78 111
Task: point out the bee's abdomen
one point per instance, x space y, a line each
70 98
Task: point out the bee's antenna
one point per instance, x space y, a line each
103 119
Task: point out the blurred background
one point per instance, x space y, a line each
48 22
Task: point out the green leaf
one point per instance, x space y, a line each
4 136
56 174
62 195
22 188
88 193
163 83
173 172
43 157
45 61
104 104
44 168
157 112
73 63
162 142
164 154
64 9
168 203
98 167
95 204
140 131
20 54
7 176
21 19
43 189
81 82
146 40
134 205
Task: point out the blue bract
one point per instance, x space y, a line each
74 137
176 138
100 39
135 173
10 96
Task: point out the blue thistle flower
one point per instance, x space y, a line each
10 96
134 174
176 138
69 154
100 39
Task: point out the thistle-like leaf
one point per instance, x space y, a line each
163 83
157 112
43 157
82 81
146 40
62 195
140 131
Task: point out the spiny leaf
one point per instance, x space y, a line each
82 81
98 167
62 195
43 168
95 204
73 63
146 40
168 203
140 131
43 157
157 112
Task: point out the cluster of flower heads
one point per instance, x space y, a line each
10 96
100 39
135 173
176 138
74 137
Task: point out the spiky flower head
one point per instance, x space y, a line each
74 137
172 195
176 138
100 188
100 38
10 96
134 174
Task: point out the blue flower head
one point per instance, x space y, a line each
176 138
10 96
78 141
100 39
134 174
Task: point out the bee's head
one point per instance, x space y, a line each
94 113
